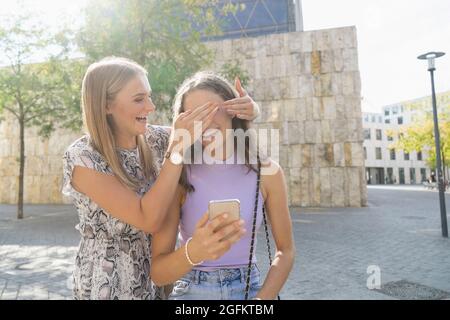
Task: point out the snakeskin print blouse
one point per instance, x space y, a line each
114 258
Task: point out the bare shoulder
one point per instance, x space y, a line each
270 169
272 177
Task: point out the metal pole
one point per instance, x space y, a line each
438 160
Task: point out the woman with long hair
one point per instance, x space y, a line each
201 267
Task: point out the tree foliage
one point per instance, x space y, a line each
163 36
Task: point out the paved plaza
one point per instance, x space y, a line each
398 234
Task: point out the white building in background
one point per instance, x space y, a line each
386 166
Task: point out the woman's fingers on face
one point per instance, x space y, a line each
209 119
200 109
237 101
205 112
240 107
244 117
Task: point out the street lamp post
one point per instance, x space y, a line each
431 56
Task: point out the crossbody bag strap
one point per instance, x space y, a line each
266 229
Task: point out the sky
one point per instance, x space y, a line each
391 34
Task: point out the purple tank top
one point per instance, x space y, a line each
219 182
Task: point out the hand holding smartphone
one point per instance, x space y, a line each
229 206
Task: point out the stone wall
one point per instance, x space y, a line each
308 86
43 164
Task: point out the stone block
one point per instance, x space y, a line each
295 64
316 68
294 42
305 186
327 61
337 187
316 190
296 190
305 86
339 155
307 155
327 133
348 154
280 64
350 56
312 132
325 187
307 41
353 178
357 152
329 108
295 156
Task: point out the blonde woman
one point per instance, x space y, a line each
119 182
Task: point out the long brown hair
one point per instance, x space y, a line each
209 81
101 84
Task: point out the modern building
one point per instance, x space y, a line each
261 17
385 165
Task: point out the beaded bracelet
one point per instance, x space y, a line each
187 254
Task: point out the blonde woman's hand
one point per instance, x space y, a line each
208 241
189 126
243 107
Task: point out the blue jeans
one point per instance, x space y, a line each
220 284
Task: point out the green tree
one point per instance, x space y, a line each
231 70
163 36
419 136
41 94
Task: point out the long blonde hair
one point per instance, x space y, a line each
101 84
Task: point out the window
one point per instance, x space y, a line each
378 133
392 153
400 120
406 155
366 134
423 174
390 176
386 112
412 175
365 153
390 138
378 155
380 119
401 173
373 118
394 110
419 155
387 121
366 118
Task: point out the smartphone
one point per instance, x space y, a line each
230 206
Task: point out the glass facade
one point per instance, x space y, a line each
258 17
